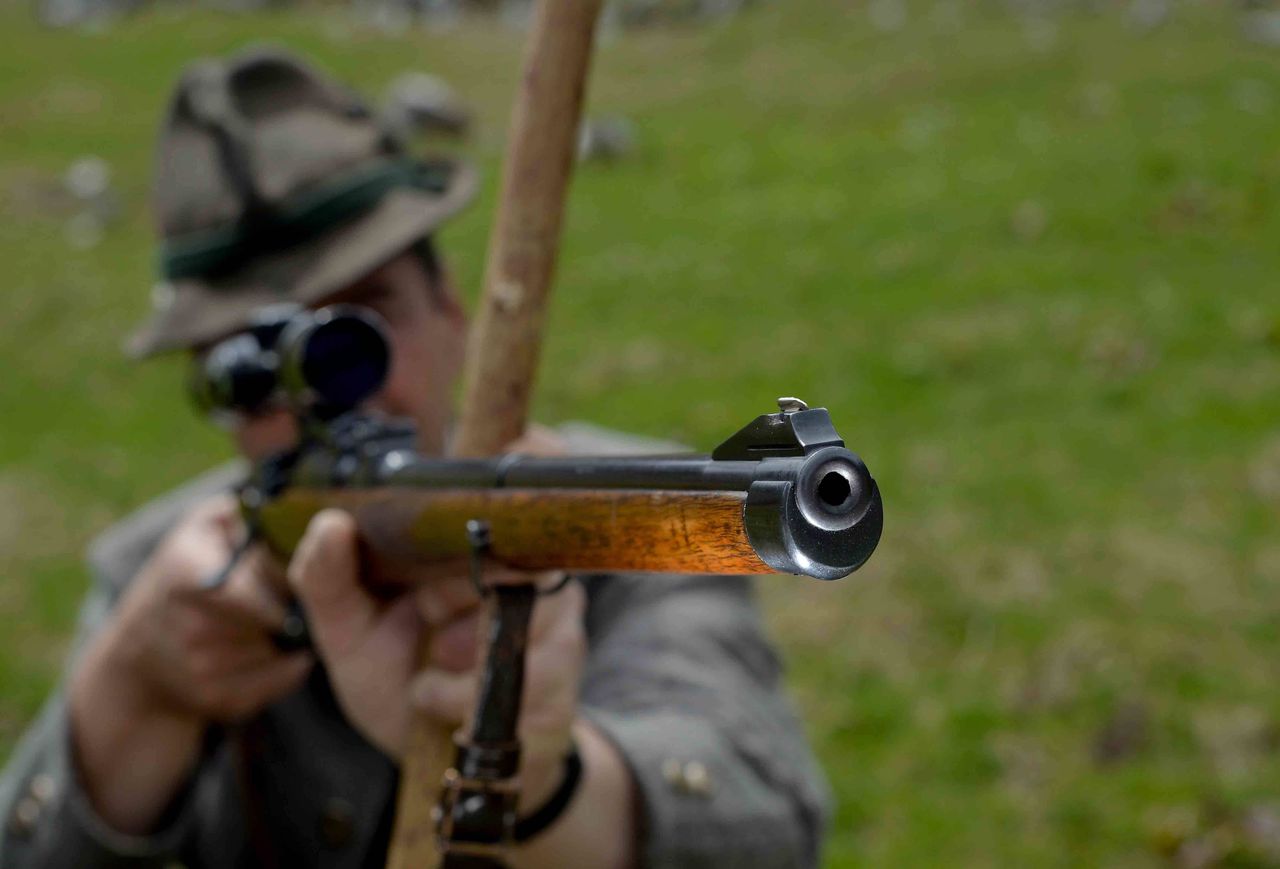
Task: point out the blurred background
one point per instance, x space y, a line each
1025 252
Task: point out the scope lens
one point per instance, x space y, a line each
344 361
237 374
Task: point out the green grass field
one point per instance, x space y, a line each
1032 271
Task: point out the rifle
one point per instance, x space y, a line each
783 495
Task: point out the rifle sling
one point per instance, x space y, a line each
478 802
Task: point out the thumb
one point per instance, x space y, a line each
324 574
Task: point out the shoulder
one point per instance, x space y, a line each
116 554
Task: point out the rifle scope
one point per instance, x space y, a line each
317 363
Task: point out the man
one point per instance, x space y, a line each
183 733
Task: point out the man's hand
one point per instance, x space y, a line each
175 658
370 650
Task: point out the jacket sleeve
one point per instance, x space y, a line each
683 681
46 818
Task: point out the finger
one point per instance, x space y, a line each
218 512
562 609
553 670
448 592
226 660
251 655
270 569
248 594
454 647
198 549
264 685
500 575
218 519
324 574
446 697
445 599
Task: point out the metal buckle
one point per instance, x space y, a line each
455 787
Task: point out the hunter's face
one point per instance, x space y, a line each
427 329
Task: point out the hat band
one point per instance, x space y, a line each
296 220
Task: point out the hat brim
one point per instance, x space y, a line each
195 311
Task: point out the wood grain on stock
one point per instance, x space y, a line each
662 531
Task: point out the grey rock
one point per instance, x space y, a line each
606 139
887 16
418 103
1146 16
1261 26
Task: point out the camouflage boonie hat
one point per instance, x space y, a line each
274 183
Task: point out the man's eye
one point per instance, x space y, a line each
385 306
374 295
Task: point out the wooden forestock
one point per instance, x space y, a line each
504 343
536 529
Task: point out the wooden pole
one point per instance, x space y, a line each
504 343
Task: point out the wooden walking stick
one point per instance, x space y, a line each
505 340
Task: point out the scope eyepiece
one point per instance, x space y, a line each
320 363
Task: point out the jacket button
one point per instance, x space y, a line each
43 788
337 823
25 816
690 778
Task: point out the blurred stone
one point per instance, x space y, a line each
1146 16
1236 738
1260 827
64 13
1264 472
1029 220
440 14
606 139
1261 26
635 13
1040 32
392 18
715 10
92 14
245 5
88 182
1197 854
88 178
887 16
422 104
516 14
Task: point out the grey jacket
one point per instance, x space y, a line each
679 676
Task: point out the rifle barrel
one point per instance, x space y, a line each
818 514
